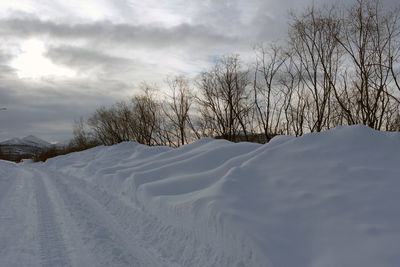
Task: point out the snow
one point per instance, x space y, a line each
323 199
29 140
36 140
12 141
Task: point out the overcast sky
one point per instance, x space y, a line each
60 60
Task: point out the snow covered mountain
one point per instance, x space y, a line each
36 141
29 140
26 147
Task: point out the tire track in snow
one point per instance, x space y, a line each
154 235
6 211
6 184
18 229
135 223
52 248
110 245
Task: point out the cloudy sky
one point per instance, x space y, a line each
60 60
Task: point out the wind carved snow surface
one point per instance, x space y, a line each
324 199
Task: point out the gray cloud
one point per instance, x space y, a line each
47 109
86 60
125 34
133 42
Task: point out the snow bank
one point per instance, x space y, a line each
6 167
324 199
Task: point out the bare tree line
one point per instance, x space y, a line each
339 66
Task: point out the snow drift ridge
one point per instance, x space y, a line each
324 199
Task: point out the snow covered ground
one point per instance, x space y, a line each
324 199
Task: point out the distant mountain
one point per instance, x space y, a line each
27 147
29 140
36 141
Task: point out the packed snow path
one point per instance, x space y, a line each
326 199
47 222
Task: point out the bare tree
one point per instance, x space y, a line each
177 111
340 66
370 38
267 92
105 126
81 135
139 120
295 98
150 124
225 99
318 57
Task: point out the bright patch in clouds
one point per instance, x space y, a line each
32 63
7 7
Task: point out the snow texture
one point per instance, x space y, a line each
324 199
29 140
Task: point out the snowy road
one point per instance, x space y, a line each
46 221
326 199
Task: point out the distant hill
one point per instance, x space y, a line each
27 147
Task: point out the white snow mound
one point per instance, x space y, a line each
324 199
